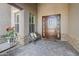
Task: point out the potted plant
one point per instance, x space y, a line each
10 34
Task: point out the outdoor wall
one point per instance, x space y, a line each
28 8
24 21
5 17
52 9
74 25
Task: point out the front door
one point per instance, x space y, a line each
51 26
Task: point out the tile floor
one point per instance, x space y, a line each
44 48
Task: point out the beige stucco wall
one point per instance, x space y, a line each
51 9
29 7
74 25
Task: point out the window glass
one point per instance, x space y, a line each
17 22
31 23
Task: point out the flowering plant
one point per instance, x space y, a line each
10 33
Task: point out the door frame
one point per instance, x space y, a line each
59 25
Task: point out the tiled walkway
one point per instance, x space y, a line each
45 48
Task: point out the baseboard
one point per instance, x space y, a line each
73 41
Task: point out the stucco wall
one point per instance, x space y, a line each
29 7
74 25
51 9
5 17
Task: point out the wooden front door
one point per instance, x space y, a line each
51 26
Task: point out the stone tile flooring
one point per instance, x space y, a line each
44 48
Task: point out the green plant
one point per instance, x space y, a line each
10 33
